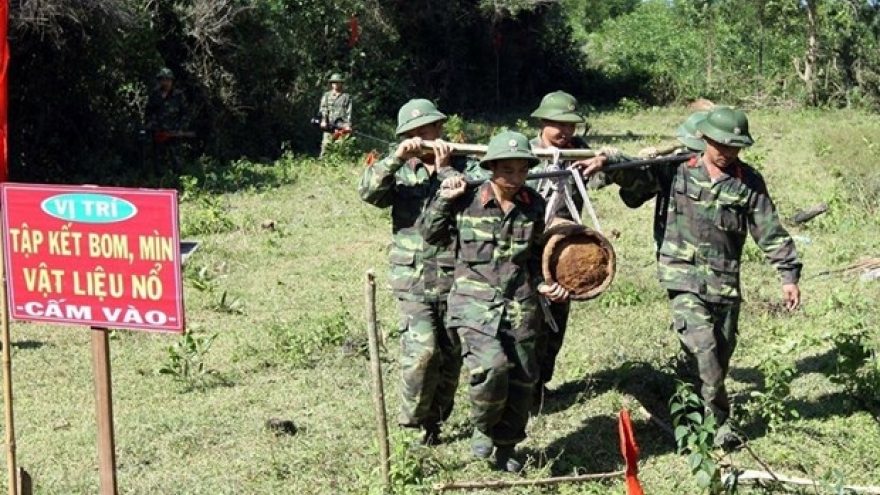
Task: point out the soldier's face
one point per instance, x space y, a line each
337 86
558 134
427 132
509 175
721 155
166 83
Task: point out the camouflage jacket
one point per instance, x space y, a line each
336 108
497 259
706 224
167 112
418 272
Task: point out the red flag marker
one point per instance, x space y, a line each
630 451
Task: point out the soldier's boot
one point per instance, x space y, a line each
726 439
432 435
504 460
481 445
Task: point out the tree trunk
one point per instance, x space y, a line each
812 57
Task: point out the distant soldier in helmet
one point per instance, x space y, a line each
560 116
421 274
713 201
496 230
688 141
335 110
167 121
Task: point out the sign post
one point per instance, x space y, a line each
99 257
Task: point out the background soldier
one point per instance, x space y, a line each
559 116
689 141
713 202
421 274
493 303
334 111
167 121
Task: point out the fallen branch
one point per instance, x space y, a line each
753 475
474 485
810 213
864 264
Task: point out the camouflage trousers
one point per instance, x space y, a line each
549 343
502 374
708 332
430 364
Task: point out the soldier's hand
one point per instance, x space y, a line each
452 187
553 292
649 152
590 166
792 295
442 153
409 148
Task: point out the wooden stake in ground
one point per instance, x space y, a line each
378 387
7 380
104 410
475 485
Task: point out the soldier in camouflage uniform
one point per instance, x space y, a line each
421 274
496 229
334 111
559 117
166 117
713 202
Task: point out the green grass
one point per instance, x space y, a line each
287 306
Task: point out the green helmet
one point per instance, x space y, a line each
336 77
416 113
559 106
165 73
687 132
727 126
508 145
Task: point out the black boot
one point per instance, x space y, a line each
504 460
432 435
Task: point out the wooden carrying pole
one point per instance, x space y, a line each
608 168
378 387
104 410
480 149
7 380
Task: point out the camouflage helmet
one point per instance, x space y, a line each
559 106
687 132
336 78
165 73
416 113
727 126
509 145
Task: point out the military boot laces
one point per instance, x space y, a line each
504 460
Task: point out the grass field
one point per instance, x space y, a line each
287 307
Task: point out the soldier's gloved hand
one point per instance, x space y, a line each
590 166
649 152
553 292
409 148
442 153
453 187
792 295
